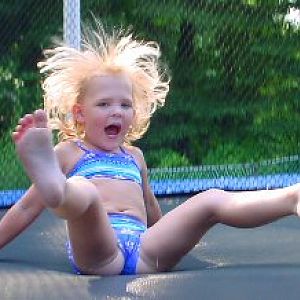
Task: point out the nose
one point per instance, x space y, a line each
116 110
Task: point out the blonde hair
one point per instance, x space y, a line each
67 71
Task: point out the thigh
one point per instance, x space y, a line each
92 238
175 234
94 243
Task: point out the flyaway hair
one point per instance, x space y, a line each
66 72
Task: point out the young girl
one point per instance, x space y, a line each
101 99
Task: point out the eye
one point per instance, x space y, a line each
103 104
126 105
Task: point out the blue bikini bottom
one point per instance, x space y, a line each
128 230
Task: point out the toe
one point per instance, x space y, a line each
26 121
15 136
40 118
19 130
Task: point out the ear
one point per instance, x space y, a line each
78 113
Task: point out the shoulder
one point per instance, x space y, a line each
64 148
138 155
67 154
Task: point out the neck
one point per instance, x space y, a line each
96 147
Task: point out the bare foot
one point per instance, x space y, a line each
34 146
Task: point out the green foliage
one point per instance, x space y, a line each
163 158
234 64
11 172
9 100
27 27
16 89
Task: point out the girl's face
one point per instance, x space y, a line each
106 111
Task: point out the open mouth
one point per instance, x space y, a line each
113 129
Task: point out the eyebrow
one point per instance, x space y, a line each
111 99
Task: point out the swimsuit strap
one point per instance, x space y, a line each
125 152
82 146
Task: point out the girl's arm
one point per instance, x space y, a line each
20 216
27 209
152 207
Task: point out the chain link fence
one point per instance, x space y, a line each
26 27
235 77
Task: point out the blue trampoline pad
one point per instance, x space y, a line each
169 187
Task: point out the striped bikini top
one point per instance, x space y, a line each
97 163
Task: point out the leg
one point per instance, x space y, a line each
94 242
76 199
166 242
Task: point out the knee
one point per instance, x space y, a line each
80 196
78 186
81 190
79 180
214 200
215 195
214 191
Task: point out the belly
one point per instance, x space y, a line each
121 196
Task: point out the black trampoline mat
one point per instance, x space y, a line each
229 263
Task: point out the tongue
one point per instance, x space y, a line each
111 130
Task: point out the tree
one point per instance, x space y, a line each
234 66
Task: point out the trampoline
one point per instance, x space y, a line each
228 263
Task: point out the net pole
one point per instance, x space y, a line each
72 23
